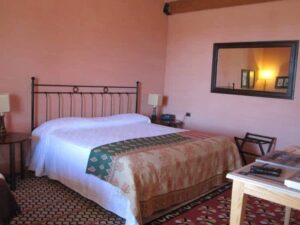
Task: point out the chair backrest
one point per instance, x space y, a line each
246 145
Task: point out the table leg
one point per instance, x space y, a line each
12 166
238 202
22 159
287 215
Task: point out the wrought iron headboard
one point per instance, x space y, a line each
109 99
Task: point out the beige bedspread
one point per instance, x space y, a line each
157 177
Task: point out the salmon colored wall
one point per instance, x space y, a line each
188 70
79 41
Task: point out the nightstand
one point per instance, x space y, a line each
11 139
173 123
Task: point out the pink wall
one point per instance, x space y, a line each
78 41
188 70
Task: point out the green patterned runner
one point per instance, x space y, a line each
101 158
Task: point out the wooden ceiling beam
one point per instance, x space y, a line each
182 6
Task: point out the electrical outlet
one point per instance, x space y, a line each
188 114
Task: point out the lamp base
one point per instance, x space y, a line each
153 118
2 126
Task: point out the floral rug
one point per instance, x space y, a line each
214 208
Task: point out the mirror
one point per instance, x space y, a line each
266 69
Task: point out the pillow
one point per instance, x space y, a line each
79 122
123 119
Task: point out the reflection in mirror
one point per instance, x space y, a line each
255 68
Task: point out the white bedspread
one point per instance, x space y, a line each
61 149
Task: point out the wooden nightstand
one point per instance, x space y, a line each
11 139
173 123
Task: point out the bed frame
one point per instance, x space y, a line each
62 100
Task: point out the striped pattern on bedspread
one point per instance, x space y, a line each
102 159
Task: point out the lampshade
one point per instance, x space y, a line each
4 103
155 99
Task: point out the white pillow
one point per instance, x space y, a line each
122 119
79 122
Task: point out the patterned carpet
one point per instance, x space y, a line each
214 208
47 202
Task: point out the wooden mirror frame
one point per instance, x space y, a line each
293 44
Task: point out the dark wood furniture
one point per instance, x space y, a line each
172 123
183 6
264 143
8 205
12 139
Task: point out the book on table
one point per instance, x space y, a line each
289 159
285 159
293 181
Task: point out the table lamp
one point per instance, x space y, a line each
154 100
4 107
266 74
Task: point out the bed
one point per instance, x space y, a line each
139 181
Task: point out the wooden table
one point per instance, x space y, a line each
264 187
11 139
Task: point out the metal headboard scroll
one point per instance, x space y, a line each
56 100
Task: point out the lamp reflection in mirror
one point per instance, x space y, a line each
265 75
154 100
4 107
